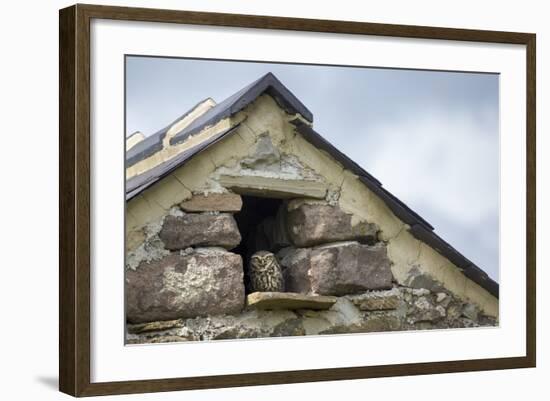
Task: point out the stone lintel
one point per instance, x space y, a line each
273 187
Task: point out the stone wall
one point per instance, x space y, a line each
265 152
184 268
399 308
349 264
185 282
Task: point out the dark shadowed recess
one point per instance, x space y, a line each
253 213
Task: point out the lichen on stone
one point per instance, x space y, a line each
151 249
417 310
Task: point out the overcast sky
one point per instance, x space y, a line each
431 138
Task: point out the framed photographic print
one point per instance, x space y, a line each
250 200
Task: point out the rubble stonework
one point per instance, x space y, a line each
400 308
183 284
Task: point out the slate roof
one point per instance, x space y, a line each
267 84
153 143
135 185
419 228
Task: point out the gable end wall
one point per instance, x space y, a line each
264 115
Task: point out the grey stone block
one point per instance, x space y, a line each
180 232
310 225
348 268
205 282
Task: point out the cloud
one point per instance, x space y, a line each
441 160
444 165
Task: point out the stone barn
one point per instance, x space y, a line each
226 180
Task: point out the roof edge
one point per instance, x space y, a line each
267 84
154 141
419 228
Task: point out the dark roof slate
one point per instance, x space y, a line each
419 228
153 143
267 84
138 183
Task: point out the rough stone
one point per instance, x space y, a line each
180 232
157 339
151 248
265 156
454 312
206 282
441 310
252 323
153 326
378 323
311 224
418 280
293 204
423 304
291 327
348 268
470 311
213 202
296 263
342 317
168 339
336 269
288 300
377 300
418 292
440 296
426 311
421 312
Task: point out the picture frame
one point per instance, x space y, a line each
76 203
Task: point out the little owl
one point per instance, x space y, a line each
265 272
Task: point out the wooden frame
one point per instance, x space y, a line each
74 200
